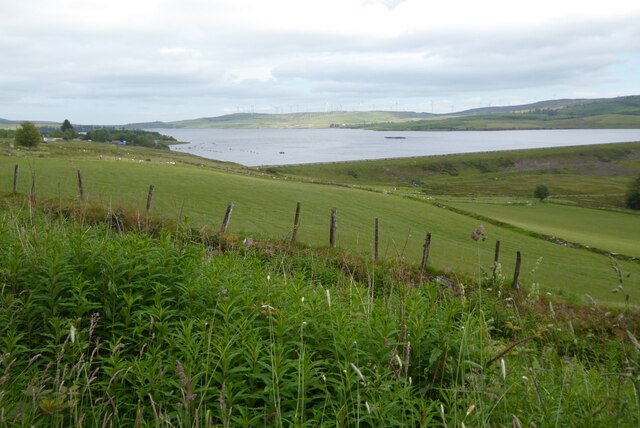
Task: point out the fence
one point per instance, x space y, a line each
333 227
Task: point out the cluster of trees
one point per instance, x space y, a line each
28 135
134 138
7 133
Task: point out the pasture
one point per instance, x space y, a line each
188 190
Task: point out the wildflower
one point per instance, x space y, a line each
72 333
302 300
633 340
397 357
516 422
116 348
268 277
366 404
92 325
471 409
358 372
444 419
479 233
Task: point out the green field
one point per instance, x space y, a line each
616 232
264 207
110 317
589 175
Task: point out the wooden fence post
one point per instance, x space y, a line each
227 218
425 253
16 172
376 252
496 259
150 197
32 194
80 187
332 230
516 274
296 224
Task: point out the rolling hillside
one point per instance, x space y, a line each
190 189
291 120
621 112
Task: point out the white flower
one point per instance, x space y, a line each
72 334
358 372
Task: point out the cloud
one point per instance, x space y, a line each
136 60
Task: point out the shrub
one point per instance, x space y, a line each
27 135
541 192
632 199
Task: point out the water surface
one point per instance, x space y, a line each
255 147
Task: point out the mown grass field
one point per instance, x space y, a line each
613 231
264 207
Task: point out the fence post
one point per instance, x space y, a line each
425 253
376 252
227 218
296 224
516 274
332 230
80 187
496 259
150 197
16 172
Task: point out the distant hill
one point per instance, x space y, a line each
620 112
582 106
7 122
290 120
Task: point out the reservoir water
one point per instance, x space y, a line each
255 147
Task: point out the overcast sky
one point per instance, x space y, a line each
117 61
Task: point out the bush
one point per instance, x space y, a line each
541 192
27 135
632 199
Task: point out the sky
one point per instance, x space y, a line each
117 61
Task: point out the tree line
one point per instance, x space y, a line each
29 135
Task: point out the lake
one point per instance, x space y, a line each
255 147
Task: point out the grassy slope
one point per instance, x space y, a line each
623 112
99 327
588 174
264 207
296 120
614 231
496 122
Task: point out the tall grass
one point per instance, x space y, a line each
104 328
